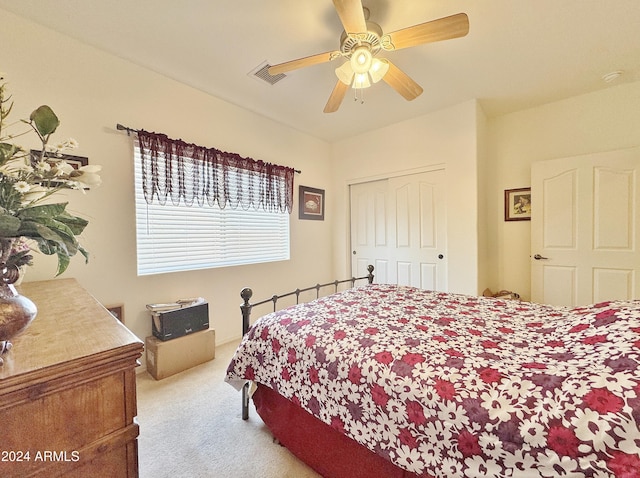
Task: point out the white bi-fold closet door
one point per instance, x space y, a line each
398 224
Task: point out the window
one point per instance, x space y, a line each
176 237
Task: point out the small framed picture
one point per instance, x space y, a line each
311 203
117 311
517 204
76 162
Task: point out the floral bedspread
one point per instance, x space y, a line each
447 385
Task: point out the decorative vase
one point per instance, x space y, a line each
16 311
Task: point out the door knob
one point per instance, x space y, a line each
440 256
538 257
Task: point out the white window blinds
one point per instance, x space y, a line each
174 237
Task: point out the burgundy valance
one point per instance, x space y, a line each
179 171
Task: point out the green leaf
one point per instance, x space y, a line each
63 263
45 246
74 223
42 231
7 151
57 232
63 246
45 120
9 225
46 213
43 211
85 253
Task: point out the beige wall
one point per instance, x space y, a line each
447 137
483 157
92 91
602 121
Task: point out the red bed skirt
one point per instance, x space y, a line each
323 448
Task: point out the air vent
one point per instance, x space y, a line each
262 73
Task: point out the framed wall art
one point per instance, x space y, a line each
311 203
75 161
517 204
117 311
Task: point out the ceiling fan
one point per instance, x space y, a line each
360 43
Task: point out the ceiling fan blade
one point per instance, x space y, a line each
402 83
446 28
337 95
351 15
302 62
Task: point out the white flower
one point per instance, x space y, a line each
22 187
498 406
478 466
397 410
616 382
410 459
89 175
43 167
63 167
533 433
92 168
67 144
590 427
629 434
430 455
452 414
490 444
360 432
553 465
517 388
51 148
441 431
521 461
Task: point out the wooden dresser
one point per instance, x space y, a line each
68 389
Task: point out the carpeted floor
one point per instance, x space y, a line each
190 426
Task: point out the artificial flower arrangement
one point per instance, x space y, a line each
27 183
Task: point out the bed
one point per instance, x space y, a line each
394 381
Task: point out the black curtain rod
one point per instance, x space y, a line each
131 130
126 128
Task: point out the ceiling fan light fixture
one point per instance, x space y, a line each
361 59
378 69
361 40
345 73
361 80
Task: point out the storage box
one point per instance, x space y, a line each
166 358
182 321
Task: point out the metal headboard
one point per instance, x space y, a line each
246 307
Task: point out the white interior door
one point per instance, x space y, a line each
585 228
399 226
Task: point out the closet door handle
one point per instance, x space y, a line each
538 257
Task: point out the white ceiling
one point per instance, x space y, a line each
518 53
